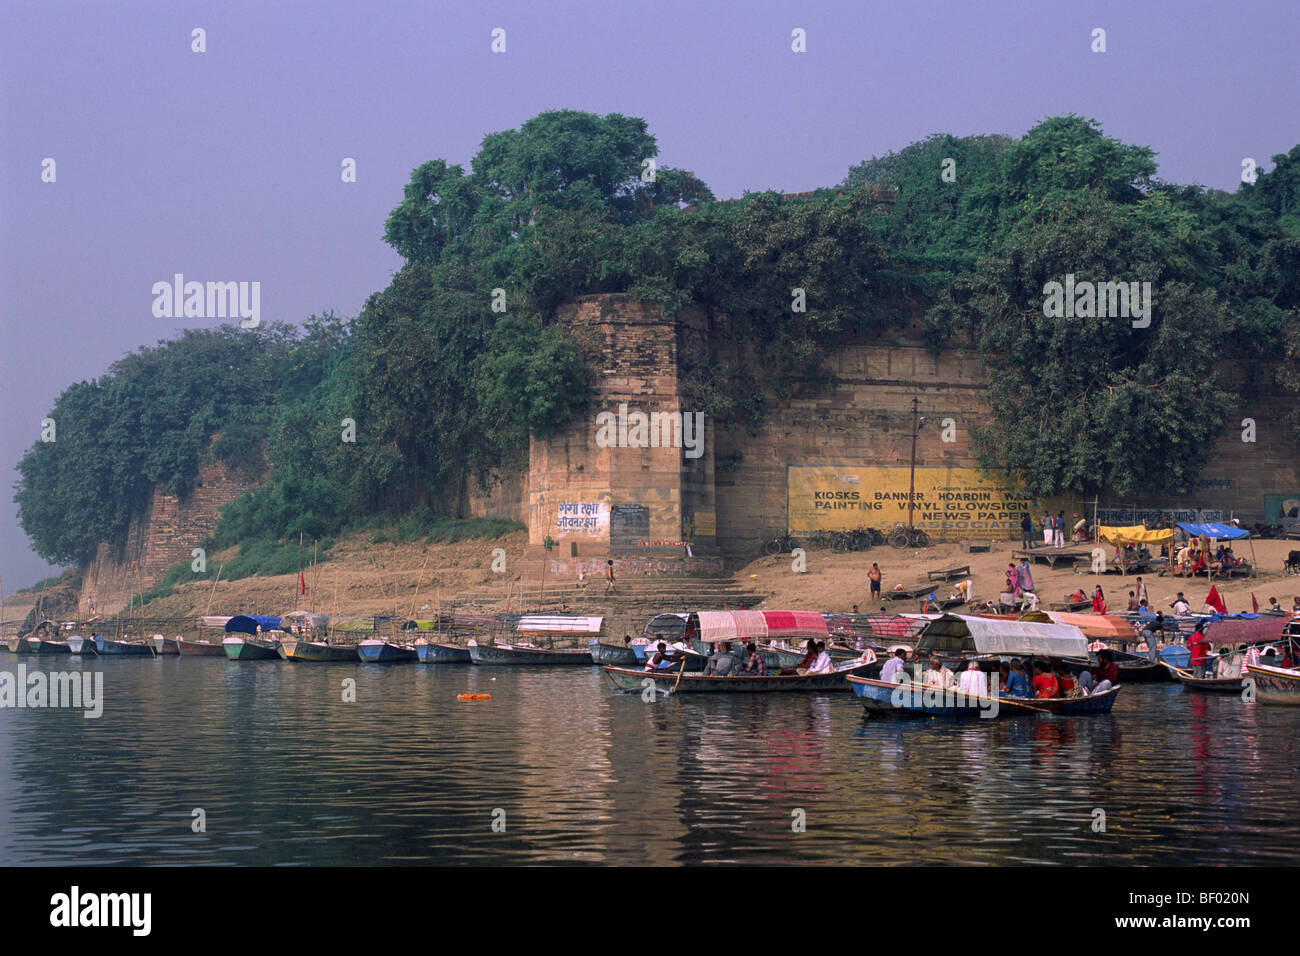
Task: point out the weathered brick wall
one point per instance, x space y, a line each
630 494
170 528
864 420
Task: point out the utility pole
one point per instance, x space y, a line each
911 487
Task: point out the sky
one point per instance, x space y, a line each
225 165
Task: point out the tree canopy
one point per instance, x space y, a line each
446 373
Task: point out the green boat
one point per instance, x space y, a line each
250 648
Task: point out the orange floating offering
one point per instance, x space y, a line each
473 696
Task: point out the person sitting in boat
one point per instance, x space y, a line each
1078 596
1016 681
1198 645
1067 684
1102 677
659 660
1045 684
721 662
755 664
895 669
938 675
821 663
973 680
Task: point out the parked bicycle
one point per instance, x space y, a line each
859 539
905 537
782 544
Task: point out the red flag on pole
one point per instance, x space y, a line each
302 584
1213 600
1254 605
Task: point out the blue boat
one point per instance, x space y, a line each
106 647
385 652
883 697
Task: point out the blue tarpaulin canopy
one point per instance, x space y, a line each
1213 529
247 623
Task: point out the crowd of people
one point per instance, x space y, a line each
1016 678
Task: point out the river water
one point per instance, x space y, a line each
559 768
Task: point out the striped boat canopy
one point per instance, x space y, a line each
795 624
553 624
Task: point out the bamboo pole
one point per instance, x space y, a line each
211 593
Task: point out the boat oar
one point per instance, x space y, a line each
680 671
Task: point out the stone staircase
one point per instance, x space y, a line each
625 611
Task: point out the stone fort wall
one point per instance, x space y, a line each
864 421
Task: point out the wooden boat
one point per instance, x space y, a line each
36 645
440 652
518 654
249 647
887 697
784 657
200 648
1275 685
695 661
377 651
292 648
630 679
1209 685
165 647
107 647
615 654
83 646
1133 668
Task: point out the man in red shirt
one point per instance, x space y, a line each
1198 645
1103 677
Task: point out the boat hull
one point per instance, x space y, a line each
1275 685
317 652
382 652
611 654
200 648
83 646
905 699
509 655
242 649
630 679
34 645
1213 685
108 648
166 647
435 653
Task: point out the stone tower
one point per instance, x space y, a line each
632 478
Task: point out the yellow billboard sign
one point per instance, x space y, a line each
948 503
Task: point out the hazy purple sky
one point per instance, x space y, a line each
225 165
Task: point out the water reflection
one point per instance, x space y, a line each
288 772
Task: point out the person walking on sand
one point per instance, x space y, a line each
1058 530
609 576
1027 540
874 575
